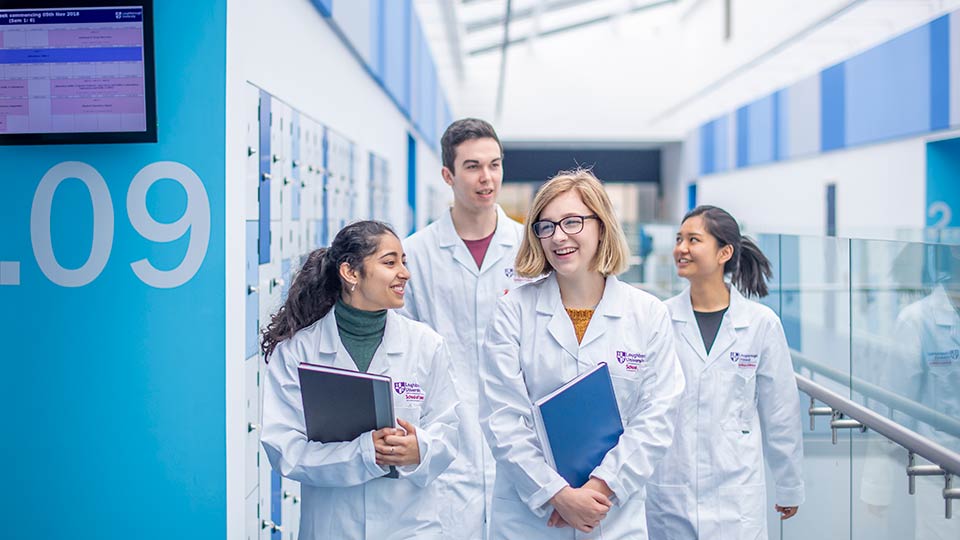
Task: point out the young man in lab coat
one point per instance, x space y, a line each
459 266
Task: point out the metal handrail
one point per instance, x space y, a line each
936 419
908 439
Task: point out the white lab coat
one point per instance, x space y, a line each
343 495
449 293
530 350
741 404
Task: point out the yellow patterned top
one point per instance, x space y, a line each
580 318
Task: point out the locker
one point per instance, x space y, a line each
252 399
251 152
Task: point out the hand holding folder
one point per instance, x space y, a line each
339 405
397 447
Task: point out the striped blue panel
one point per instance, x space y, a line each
707 144
396 49
377 42
940 73
760 143
691 196
723 148
832 105
428 94
353 19
778 122
781 149
743 135
887 89
415 79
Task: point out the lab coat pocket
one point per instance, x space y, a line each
741 386
408 412
741 512
626 390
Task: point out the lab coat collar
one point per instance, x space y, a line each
612 304
735 318
331 344
501 243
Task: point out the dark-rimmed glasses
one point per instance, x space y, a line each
545 228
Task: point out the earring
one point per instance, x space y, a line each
353 287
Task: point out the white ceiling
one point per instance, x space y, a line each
642 70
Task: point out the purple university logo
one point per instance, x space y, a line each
734 357
400 387
632 360
508 272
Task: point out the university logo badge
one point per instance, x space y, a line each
400 387
508 272
632 360
734 357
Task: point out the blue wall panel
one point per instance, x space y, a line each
707 144
760 144
396 51
888 89
115 388
722 138
377 37
832 108
743 135
940 73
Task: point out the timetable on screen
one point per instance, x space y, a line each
78 72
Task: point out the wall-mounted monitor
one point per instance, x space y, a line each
78 71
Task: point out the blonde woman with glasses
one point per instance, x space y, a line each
545 333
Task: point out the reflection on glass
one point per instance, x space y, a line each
918 364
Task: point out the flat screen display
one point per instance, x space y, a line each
76 72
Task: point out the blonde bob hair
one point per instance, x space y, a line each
613 253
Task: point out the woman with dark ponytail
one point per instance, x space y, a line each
339 312
740 405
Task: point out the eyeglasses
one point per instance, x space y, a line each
570 225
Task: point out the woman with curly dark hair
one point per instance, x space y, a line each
339 312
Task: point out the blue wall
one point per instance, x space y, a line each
114 390
899 88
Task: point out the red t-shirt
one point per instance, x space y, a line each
478 248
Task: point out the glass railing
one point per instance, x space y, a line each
873 321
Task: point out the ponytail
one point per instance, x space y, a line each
753 269
749 268
318 285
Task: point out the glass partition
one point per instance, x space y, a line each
874 321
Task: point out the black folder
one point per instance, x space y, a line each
339 405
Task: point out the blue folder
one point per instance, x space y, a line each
578 424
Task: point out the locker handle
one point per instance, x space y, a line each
252 289
267 524
276 158
266 176
276 282
286 180
287 495
250 151
252 427
296 163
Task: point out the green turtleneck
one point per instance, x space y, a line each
360 331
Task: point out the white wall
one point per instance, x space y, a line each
880 189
